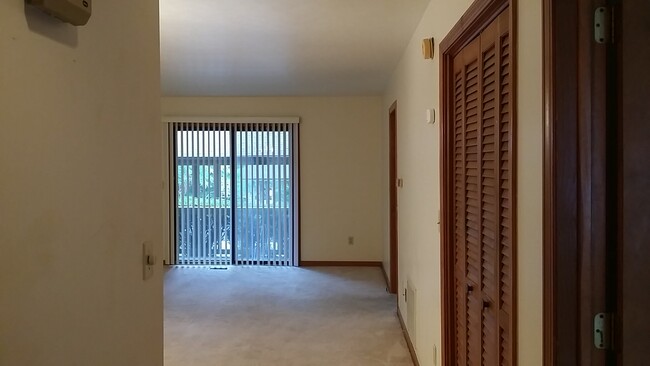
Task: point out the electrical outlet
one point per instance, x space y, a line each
350 240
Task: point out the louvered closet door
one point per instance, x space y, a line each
482 199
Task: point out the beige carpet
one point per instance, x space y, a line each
252 316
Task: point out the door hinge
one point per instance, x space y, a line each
603 25
603 331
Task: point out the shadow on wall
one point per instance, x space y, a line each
51 27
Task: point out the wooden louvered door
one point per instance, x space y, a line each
481 169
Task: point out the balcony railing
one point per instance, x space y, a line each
262 235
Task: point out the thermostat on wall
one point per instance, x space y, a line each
75 12
428 49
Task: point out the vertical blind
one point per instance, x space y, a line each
234 193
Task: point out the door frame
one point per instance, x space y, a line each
393 210
477 18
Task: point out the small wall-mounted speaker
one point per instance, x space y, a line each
428 48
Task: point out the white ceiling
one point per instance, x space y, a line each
283 47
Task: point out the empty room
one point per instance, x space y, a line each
273 144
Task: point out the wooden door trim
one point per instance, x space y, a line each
549 188
477 18
393 214
549 231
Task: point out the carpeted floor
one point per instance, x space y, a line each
250 316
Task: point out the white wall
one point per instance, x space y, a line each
340 162
415 86
79 186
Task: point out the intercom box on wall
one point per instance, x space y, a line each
75 12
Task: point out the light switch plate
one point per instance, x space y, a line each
148 260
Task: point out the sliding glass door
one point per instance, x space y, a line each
235 192
203 166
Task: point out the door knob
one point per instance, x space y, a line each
486 304
470 288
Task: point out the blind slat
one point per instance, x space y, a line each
249 190
286 194
192 227
201 194
175 194
282 196
258 193
184 255
274 177
263 192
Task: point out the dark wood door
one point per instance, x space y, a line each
482 201
597 182
634 124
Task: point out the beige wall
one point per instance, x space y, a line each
415 86
79 186
529 182
340 155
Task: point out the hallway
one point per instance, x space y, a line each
281 316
